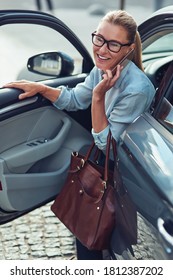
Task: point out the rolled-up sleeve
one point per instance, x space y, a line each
100 138
77 98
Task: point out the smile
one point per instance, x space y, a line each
102 57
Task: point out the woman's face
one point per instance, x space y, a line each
104 58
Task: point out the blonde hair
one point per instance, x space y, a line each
124 19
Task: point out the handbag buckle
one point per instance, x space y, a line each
82 164
74 154
104 184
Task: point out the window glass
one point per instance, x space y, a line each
165 114
161 44
21 41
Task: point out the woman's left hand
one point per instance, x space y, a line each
108 81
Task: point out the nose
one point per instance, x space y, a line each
104 48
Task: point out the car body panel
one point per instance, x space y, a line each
153 154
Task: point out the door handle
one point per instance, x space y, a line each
166 230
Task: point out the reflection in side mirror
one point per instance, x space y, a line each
56 64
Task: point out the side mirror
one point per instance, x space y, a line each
56 64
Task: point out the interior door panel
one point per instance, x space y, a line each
33 166
33 142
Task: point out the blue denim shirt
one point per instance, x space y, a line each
131 95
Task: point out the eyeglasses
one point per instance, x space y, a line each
112 45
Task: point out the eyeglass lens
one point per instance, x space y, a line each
99 41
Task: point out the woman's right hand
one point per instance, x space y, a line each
32 88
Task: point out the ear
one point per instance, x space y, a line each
132 46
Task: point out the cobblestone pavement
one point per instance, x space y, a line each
40 235
37 235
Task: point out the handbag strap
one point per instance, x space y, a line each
106 167
114 148
108 146
110 140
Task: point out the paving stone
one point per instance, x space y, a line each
38 234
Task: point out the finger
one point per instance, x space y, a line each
118 72
17 84
14 85
23 95
27 93
107 75
9 85
104 76
120 67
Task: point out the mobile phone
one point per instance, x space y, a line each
125 60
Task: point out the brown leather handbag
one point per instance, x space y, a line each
94 201
86 203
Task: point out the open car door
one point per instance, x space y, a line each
36 139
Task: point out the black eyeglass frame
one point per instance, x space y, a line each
108 41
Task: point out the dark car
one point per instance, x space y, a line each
36 140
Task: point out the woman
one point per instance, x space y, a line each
117 95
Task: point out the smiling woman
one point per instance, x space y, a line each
113 57
37 138
117 95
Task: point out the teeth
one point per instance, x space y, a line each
102 57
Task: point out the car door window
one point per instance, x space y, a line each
157 55
165 114
162 107
21 41
163 43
